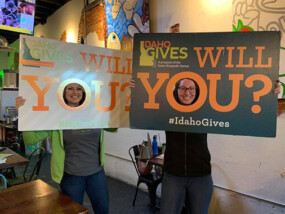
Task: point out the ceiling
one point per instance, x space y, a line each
44 8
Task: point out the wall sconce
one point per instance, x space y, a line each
70 36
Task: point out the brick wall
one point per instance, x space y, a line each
281 106
94 22
63 36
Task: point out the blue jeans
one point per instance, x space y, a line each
95 186
196 192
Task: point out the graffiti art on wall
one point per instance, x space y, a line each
262 15
124 19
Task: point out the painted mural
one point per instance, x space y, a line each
262 15
124 19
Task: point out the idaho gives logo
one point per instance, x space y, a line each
152 51
145 59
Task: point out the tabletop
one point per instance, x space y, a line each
157 161
13 160
37 197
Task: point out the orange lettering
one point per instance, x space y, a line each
41 93
123 88
92 58
241 65
97 95
117 66
129 72
236 78
230 57
259 59
109 64
209 51
152 91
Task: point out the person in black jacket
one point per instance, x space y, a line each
187 168
187 161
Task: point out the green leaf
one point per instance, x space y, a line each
282 48
234 28
283 85
240 25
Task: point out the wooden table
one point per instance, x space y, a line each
154 160
157 161
14 160
37 197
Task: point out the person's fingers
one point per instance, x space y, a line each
277 88
20 101
19 104
132 83
276 91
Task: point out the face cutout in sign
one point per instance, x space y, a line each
72 86
206 82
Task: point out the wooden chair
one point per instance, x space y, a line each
34 166
151 179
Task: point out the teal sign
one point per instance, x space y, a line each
206 82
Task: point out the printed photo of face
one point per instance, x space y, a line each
74 95
26 8
29 9
186 91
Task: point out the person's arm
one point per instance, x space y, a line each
33 137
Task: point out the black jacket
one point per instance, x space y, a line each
187 154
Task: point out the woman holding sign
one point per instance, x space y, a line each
78 156
187 164
187 168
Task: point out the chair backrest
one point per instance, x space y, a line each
4 181
14 146
133 152
37 164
